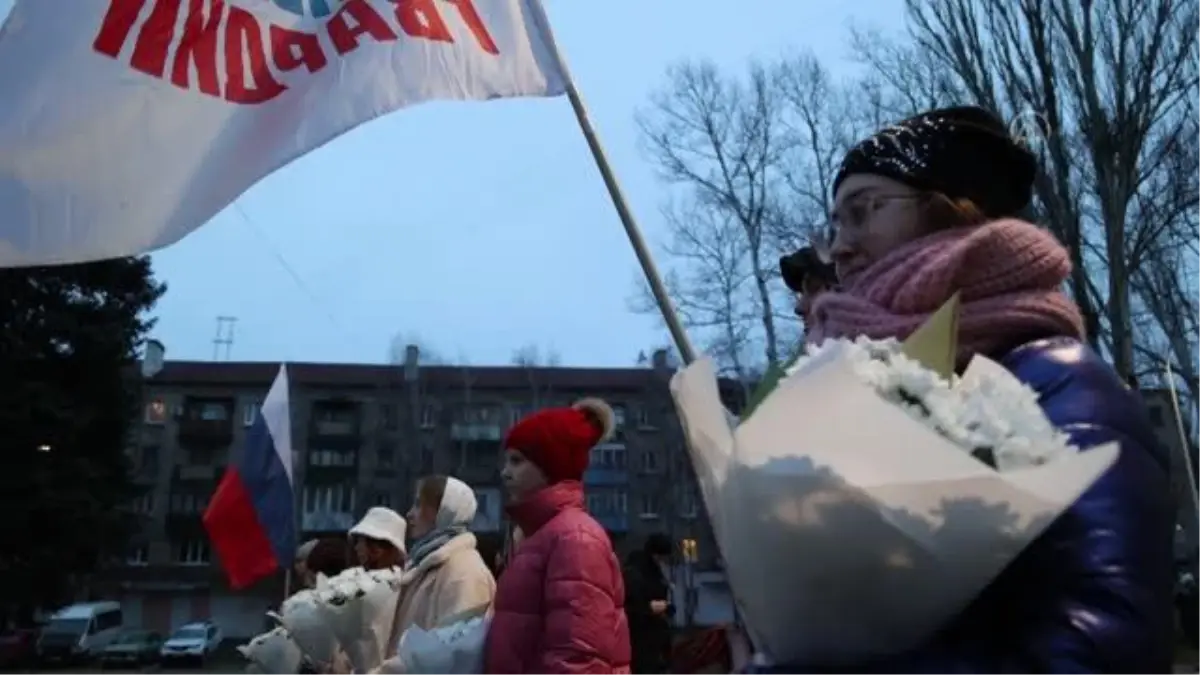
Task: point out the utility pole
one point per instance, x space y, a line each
223 340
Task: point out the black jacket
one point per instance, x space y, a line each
649 633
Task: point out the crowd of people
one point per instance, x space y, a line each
926 208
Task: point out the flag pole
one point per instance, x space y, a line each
657 288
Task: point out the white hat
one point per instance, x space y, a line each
383 524
305 549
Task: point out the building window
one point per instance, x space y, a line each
618 419
208 411
607 503
387 455
688 503
426 454
648 508
192 552
388 412
139 556
643 417
650 463
383 499
340 458
148 462
479 454
156 412
608 457
428 417
144 504
517 412
250 413
188 503
337 498
481 503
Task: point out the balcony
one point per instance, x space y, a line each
613 522
198 472
335 425
194 430
605 476
607 465
476 431
326 521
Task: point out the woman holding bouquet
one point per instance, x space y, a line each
445 578
378 539
929 207
559 605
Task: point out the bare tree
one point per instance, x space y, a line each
1113 81
751 160
532 356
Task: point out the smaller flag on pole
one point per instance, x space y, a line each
250 518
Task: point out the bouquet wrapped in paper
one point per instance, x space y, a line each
359 606
870 494
454 647
301 616
273 652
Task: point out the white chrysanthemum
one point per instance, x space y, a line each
996 417
359 606
301 615
273 652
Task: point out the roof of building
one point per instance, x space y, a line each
260 374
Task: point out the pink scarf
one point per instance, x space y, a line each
1010 274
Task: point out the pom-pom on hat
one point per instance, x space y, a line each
559 440
963 152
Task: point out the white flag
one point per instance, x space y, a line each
126 124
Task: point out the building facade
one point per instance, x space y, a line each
362 435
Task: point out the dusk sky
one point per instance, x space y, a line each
478 227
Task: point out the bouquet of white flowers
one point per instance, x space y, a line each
455 647
273 652
871 494
301 616
359 607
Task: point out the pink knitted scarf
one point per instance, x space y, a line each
1010 274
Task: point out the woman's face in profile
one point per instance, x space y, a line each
871 217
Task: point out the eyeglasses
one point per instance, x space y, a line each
854 213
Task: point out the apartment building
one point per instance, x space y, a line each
362 435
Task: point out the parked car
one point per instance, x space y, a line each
132 648
18 648
80 632
191 642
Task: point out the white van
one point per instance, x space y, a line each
80 631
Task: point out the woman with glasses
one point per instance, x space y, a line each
935 205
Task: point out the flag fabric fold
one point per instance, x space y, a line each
127 124
251 517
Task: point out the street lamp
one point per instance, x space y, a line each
43 448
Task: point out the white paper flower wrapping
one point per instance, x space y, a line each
273 652
359 606
301 615
456 648
987 411
850 528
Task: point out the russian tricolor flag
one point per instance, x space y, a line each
250 519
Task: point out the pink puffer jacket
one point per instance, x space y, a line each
559 605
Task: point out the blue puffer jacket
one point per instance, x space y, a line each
1093 593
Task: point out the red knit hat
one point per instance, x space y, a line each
559 440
